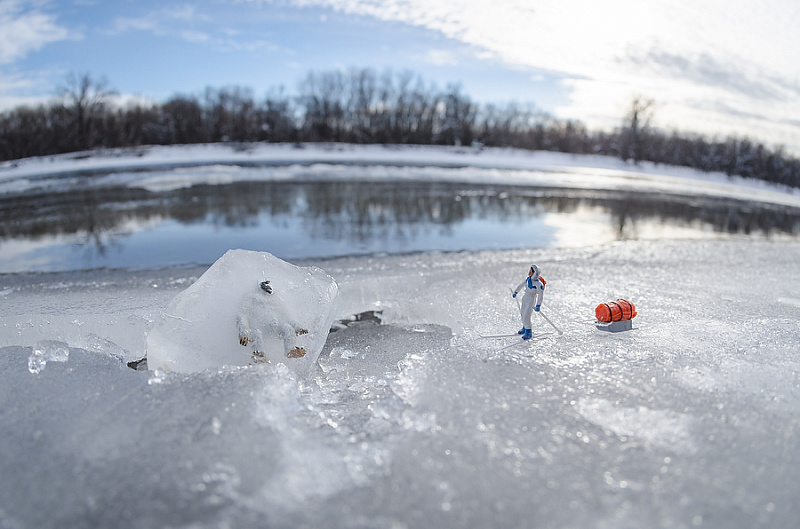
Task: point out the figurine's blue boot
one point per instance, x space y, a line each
521 331
527 335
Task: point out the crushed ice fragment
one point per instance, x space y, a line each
36 364
156 378
248 308
52 351
47 351
344 352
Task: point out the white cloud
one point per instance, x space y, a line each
148 23
10 85
189 24
712 65
441 58
186 12
24 29
195 36
164 21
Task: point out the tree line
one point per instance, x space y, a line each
363 106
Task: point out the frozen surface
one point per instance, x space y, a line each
247 307
692 419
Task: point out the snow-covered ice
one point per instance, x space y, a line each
247 307
692 419
175 167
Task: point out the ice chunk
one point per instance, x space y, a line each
249 307
47 351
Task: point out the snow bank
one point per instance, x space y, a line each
263 161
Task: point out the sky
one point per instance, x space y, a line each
714 67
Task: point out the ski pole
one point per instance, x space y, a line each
559 331
519 307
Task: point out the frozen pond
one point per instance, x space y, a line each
85 227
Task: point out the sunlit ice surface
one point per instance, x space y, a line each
688 420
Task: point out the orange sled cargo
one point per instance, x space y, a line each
615 316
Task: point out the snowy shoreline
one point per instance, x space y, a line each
518 167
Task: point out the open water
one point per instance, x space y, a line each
125 227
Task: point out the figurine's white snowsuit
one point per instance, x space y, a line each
534 292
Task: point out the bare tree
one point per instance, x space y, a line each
637 125
85 99
457 117
322 96
184 118
365 107
277 117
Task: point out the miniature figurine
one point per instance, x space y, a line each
257 319
531 300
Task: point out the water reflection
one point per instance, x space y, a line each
130 227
